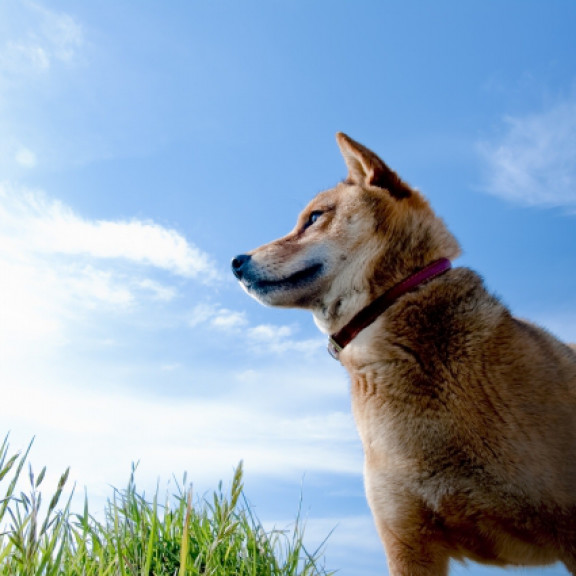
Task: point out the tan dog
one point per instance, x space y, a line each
467 415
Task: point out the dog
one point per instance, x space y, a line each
467 415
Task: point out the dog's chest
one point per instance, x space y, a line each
395 427
411 434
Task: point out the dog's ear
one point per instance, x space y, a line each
366 169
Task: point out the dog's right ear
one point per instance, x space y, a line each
366 169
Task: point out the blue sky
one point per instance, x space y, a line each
144 144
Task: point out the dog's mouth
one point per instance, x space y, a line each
304 276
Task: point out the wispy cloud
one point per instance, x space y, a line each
57 264
279 424
260 338
282 339
533 161
216 433
159 291
228 320
215 316
41 51
39 224
61 32
25 157
39 38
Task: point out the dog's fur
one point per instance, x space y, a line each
467 415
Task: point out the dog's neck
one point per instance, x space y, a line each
367 315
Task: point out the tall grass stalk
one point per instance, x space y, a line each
139 537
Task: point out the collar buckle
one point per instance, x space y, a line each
334 348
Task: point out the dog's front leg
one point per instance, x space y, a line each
414 556
413 541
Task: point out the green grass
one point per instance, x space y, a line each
138 537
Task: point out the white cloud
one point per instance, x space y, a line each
25 157
58 266
228 319
61 32
41 52
262 338
281 339
200 314
205 436
216 317
94 286
42 225
268 332
159 291
38 38
17 57
534 161
171 367
27 305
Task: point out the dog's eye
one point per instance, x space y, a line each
313 217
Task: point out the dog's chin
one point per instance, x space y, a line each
295 290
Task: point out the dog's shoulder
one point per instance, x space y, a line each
455 325
449 316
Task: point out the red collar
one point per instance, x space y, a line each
366 316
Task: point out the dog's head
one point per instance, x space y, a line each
349 245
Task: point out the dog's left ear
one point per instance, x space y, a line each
366 169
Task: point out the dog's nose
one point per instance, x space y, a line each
239 264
